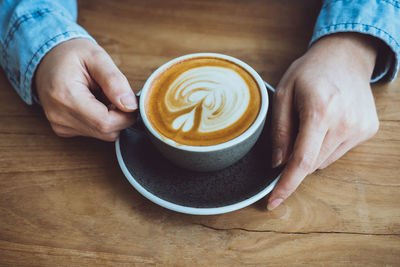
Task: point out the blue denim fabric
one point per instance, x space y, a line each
379 18
29 29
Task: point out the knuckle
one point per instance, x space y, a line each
55 128
286 189
281 132
280 93
317 108
316 113
53 117
295 64
61 95
373 127
103 126
55 93
322 104
115 78
304 162
97 54
325 164
347 123
369 127
304 81
111 137
343 131
58 130
363 128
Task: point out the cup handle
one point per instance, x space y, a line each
138 126
269 87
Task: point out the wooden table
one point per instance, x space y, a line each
66 202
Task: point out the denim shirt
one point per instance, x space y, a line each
29 29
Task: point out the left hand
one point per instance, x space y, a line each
327 94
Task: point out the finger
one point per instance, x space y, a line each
95 118
337 154
330 144
64 131
103 133
106 124
283 123
113 83
307 146
120 120
82 129
108 137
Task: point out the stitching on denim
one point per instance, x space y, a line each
367 25
21 20
41 47
395 3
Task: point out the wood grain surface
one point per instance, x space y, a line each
65 202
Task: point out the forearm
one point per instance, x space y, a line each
28 30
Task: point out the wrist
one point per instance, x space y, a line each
355 50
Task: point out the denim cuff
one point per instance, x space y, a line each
30 36
378 18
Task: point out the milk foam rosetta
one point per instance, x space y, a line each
203 102
219 96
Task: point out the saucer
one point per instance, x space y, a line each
191 192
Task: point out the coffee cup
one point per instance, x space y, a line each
204 111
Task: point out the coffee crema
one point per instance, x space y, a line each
203 101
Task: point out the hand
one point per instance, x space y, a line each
67 80
323 106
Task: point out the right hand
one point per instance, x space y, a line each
66 80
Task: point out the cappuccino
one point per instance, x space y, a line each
203 101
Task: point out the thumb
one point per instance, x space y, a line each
111 80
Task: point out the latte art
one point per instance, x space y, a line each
203 101
218 96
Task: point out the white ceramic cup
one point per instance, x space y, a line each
206 158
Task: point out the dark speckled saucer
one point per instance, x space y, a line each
192 192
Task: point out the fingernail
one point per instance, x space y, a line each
276 157
274 203
129 101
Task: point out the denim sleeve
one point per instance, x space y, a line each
378 18
28 30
